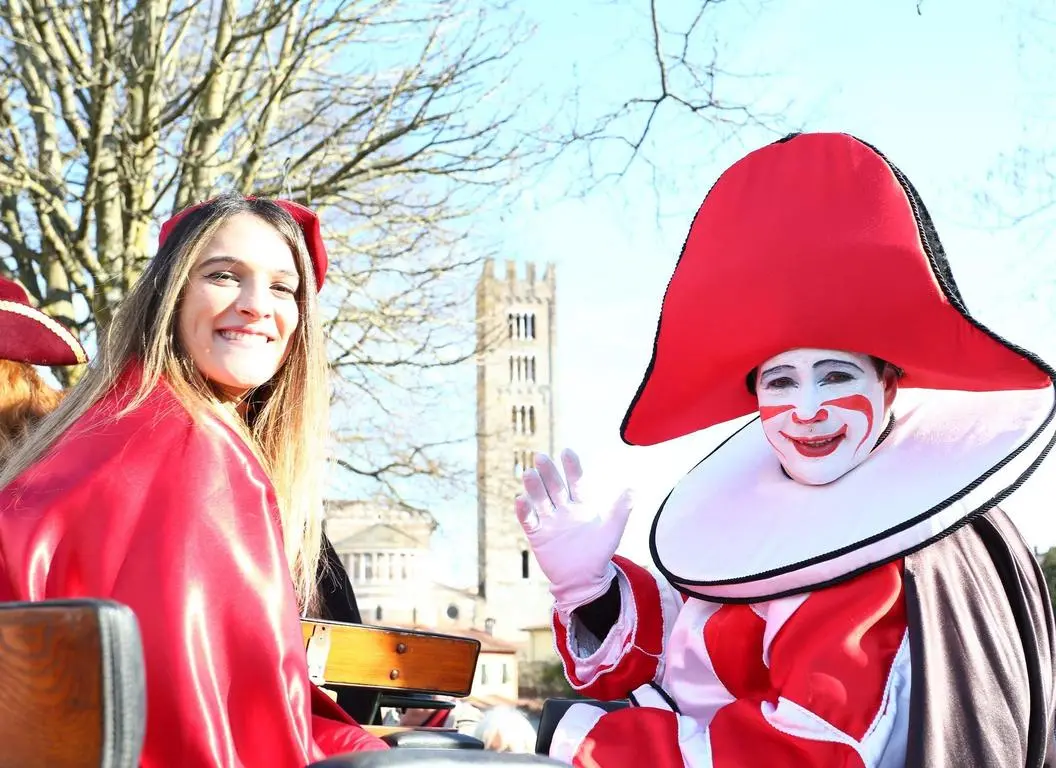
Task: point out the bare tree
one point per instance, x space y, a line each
682 57
394 118
1023 187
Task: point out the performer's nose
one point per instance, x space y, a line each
820 415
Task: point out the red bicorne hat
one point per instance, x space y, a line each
27 335
306 219
814 241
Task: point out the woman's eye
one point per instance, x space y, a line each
782 382
284 289
219 277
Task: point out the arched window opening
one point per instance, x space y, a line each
377 613
509 323
524 563
531 420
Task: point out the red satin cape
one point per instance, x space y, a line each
178 520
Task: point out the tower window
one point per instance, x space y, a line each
524 563
531 326
377 613
531 420
510 323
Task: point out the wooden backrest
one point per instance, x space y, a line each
71 685
390 659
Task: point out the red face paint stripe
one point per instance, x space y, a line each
859 403
770 411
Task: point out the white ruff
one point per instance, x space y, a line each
737 529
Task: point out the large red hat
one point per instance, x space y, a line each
816 241
305 217
27 335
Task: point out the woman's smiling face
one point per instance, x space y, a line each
239 310
822 410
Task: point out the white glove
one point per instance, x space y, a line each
573 541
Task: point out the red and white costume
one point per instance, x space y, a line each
883 616
818 679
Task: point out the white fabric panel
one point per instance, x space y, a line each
942 442
573 727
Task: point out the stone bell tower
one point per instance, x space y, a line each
515 418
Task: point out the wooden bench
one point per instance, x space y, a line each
72 691
407 666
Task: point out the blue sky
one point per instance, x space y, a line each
947 95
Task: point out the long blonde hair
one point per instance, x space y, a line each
289 415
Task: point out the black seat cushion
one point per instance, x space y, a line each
432 758
554 710
416 739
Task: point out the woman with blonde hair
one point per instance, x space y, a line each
182 477
28 338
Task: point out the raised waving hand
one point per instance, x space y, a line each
572 538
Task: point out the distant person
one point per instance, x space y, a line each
504 729
28 338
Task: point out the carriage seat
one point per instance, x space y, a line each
73 667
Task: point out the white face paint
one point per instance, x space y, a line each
822 411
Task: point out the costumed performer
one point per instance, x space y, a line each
182 477
836 585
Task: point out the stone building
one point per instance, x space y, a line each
388 552
516 333
388 555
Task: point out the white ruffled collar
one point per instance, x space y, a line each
737 529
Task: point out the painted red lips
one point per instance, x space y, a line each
817 446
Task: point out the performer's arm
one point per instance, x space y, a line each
622 642
831 691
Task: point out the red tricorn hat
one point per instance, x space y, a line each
27 335
305 217
818 241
